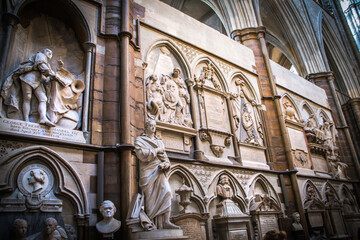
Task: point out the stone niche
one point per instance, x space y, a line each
215 133
57 101
167 98
35 184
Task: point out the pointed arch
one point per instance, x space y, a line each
175 50
260 180
304 105
290 99
247 82
68 182
239 192
315 200
205 59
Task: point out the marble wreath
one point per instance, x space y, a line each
57 93
153 182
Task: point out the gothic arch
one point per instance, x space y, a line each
207 60
68 183
289 98
191 181
239 193
248 84
304 105
175 50
260 179
345 194
317 201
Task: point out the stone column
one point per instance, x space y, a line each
198 154
325 80
10 21
88 46
279 142
352 114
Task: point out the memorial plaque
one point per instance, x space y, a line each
319 163
316 219
192 228
238 235
268 223
216 112
35 129
338 220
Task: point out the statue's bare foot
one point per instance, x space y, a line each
169 225
47 123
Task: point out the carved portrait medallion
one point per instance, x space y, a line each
35 179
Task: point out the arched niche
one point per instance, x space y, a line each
321 116
262 195
239 195
37 183
167 95
178 176
306 111
62 29
330 196
209 74
290 110
348 200
246 116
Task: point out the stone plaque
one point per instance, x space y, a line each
238 235
338 220
192 228
34 129
315 219
319 163
216 112
268 223
297 139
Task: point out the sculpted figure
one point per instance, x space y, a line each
172 101
36 179
296 225
20 229
329 135
290 112
34 73
184 117
223 189
154 95
330 197
153 165
242 106
51 231
109 225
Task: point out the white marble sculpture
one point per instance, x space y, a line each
154 163
168 99
296 225
224 190
109 225
245 116
51 231
57 93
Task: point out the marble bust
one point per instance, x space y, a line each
223 189
20 229
109 225
296 225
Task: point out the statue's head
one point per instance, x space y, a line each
20 227
48 53
176 72
296 217
150 126
224 179
107 209
50 225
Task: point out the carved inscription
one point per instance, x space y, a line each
216 111
238 235
34 129
192 229
268 223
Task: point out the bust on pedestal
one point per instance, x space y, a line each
296 226
109 225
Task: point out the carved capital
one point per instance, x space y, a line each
88 46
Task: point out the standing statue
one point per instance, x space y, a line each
109 225
290 112
329 136
33 74
153 182
20 229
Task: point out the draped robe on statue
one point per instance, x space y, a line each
153 181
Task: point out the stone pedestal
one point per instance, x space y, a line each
232 227
163 234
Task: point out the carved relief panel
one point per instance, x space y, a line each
213 108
